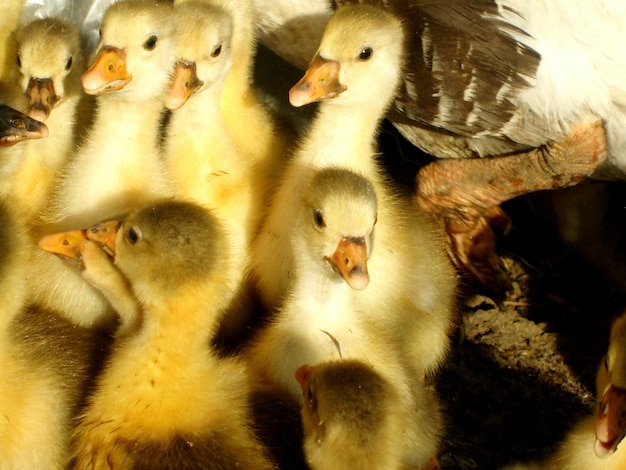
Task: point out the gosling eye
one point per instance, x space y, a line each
132 235
217 51
318 218
150 43
19 61
310 393
69 63
366 53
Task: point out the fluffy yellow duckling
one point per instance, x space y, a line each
119 165
164 398
252 125
205 163
48 64
352 418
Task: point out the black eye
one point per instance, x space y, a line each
68 65
318 218
366 53
150 43
217 51
19 61
132 236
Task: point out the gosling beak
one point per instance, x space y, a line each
610 424
107 72
303 376
320 82
17 127
104 234
185 84
42 98
350 261
67 245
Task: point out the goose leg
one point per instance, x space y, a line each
466 194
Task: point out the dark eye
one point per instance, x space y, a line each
132 236
318 218
150 43
19 61
68 65
217 51
366 53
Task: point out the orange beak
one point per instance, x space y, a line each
67 245
104 234
303 376
107 72
350 261
185 84
42 97
610 423
320 82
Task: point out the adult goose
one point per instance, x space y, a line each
165 399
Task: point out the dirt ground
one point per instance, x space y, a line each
523 367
